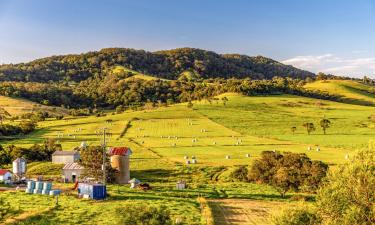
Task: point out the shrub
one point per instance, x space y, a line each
290 171
144 215
240 173
4 209
300 215
348 196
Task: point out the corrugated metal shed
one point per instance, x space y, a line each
65 153
73 166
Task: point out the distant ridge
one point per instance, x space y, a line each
167 64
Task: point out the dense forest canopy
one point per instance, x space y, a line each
167 64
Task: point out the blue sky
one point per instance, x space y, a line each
336 36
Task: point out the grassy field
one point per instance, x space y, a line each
137 75
16 106
352 91
161 138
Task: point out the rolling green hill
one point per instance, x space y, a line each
167 64
18 106
211 131
352 91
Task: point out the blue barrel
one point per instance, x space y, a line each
54 192
39 185
45 192
99 191
47 186
31 184
94 191
29 191
37 191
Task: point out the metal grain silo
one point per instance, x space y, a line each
120 162
19 167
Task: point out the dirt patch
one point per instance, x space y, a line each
243 211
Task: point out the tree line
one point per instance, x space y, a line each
111 91
163 64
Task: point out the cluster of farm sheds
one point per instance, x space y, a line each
73 172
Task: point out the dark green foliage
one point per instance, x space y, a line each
347 196
310 127
301 215
92 160
24 127
240 173
288 171
164 64
5 209
34 153
144 215
325 123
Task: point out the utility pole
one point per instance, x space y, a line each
104 156
103 131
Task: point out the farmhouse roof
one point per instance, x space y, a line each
58 153
120 151
3 172
73 166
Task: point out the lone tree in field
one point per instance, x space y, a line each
288 171
309 127
293 129
225 100
190 105
325 123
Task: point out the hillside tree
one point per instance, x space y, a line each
310 127
325 123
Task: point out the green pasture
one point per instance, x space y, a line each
273 116
352 91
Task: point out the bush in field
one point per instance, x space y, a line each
5 156
27 126
240 173
144 215
348 195
4 209
290 171
300 215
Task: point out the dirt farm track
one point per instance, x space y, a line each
243 211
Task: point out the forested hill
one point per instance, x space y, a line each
167 64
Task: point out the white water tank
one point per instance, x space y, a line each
19 166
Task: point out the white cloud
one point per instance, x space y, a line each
329 63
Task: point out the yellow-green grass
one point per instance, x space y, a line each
273 116
136 74
246 125
77 211
18 106
352 91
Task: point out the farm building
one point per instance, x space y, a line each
64 157
120 162
72 172
5 176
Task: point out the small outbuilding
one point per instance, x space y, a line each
64 157
72 172
5 176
